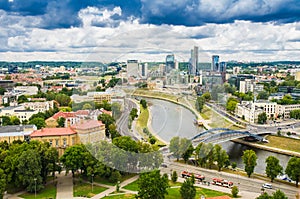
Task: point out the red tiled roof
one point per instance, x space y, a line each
52 132
88 124
220 197
82 112
63 114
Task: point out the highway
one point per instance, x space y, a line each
244 184
122 122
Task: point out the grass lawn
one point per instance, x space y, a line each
85 189
105 181
121 196
142 120
283 143
174 193
48 192
132 186
206 113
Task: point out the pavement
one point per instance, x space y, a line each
64 186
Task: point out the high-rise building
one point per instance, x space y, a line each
194 69
222 70
132 68
215 63
144 69
170 63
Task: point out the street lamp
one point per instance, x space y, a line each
34 187
92 183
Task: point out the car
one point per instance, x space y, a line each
164 165
267 186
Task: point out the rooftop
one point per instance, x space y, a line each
88 124
52 132
15 128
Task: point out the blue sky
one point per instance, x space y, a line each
109 30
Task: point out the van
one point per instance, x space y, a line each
267 186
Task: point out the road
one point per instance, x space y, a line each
244 184
122 122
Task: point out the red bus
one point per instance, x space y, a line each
222 182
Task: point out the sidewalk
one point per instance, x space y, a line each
64 186
112 189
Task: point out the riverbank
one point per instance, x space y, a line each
267 148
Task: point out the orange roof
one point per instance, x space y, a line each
63 114
88 124
52 132
220 197
82 112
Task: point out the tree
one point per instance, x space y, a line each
174 147
143 103
116 110
22 99
15 120
293 169
200 103
262 118
187 153
5 120
174 176
188 190
206 96
61 122
264 196
2 182
279 195
220 156
29 169
107 120
152 185
133 113
2 90
235 191
263 95
249 158
273 168
38 122
87 106
231 104
63 99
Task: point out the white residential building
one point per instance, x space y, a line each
26 90
18 111
39 106
285 110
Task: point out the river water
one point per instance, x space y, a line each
170 120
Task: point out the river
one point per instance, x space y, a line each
170 120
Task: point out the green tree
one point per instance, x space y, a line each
186 154
231 104
63 99
174 176
249 158
15 120
115 177
265 195
61 122
262 118
126 143
152 185
293 169
206 96
188 190
107 120
87 106
220 156
116 110
263 95
2 90
38 122
112 129
29 169
174 147
2 182
73 158
22 99
5 121
273 168
143 103
133 113
235 191
279 195
200 101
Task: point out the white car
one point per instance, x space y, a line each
267 186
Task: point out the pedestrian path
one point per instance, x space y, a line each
64 186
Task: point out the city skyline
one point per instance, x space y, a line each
149 30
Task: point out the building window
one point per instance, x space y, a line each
50 142
73 141
65 142
56 142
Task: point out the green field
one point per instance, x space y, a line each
105 181
121 196
85 189
142 120
174 193
132 186
285 143
48 192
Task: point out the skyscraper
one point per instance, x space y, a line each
132 68
194 69
215 63
170 63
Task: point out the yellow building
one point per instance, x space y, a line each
16 132
297 76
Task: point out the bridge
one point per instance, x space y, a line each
218 135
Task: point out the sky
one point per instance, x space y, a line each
148 30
